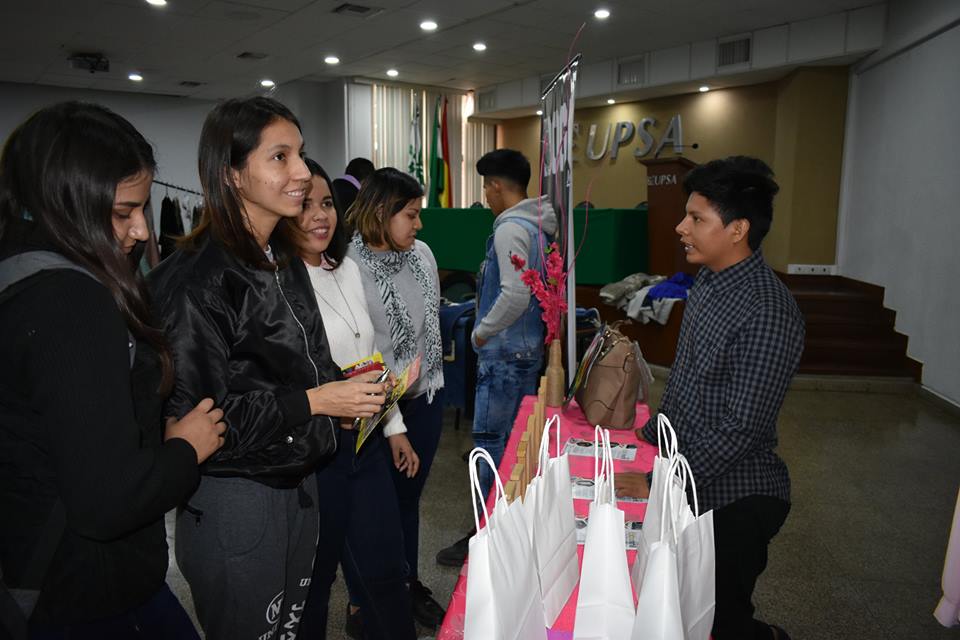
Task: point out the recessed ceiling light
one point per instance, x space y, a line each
157 3
611 101
479 46
539 112
393 73
428 25
267 83
601 14
704 89
136 77
332 60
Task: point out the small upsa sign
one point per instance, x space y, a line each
624 132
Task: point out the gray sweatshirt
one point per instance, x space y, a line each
511 238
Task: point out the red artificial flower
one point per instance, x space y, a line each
550 288
518 262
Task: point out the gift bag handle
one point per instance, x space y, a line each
598 466
608 457
476 492
667 512
666 432
602 464
544 452
682 465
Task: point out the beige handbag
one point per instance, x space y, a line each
611 379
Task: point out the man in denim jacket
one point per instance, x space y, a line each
508 335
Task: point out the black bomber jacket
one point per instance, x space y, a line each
253 340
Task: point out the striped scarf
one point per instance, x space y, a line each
403 335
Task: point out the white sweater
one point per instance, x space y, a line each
344 313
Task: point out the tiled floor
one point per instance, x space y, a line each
875 478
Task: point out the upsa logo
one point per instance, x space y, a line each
273 609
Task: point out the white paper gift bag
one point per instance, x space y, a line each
664 474
509 592
688 584
666 449
480 616
555 527
605 608
696 565
659 615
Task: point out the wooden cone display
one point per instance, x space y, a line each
555 386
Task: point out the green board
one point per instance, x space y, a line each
616 243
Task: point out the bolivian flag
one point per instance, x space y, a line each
441 191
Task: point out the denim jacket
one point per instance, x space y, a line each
522 340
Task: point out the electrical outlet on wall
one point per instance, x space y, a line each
812 269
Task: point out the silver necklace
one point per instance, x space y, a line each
356 325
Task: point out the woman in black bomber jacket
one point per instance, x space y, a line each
245 330
86 474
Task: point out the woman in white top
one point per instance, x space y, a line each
359 514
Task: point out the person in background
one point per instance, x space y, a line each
347 186
740 344
509 333
359 515
402 288
360 168
86 469
245 330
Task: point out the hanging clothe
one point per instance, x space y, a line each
171 226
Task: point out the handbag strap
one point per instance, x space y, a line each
12 619
13 270
15 611
23 265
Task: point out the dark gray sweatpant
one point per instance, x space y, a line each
247 552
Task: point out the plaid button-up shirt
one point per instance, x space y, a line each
740 344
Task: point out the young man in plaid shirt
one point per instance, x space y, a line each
740 344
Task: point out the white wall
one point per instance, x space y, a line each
332 152
171 124
899 223
320 109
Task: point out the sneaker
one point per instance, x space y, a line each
426 610
353 627
455 554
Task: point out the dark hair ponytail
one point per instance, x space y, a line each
61 169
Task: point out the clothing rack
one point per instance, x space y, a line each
173 186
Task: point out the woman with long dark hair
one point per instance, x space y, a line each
245 330
359 515
86 471
402 288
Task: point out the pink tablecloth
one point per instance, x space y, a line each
573 424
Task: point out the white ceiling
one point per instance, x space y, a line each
199 40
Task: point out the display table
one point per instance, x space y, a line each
573 425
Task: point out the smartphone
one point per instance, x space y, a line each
384 375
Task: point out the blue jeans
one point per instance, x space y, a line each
162 617
424 424
501 385
360 529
